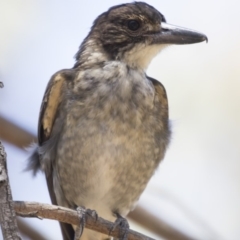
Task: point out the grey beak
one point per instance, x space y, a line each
171 34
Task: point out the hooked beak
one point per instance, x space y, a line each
170 34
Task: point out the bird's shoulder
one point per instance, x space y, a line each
51 100
159 91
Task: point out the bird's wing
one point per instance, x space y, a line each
161 109
51 100
48 112
161 93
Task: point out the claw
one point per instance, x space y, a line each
92 213
82 211
123 223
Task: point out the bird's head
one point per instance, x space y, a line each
134 33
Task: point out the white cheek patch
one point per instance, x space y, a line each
141 55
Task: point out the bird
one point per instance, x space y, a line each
103 125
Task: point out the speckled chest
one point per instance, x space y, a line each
110 139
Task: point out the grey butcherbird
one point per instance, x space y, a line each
103 126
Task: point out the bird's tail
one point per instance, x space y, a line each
33 162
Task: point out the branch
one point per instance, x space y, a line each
29 231
15 135
66 215
157 225
7 214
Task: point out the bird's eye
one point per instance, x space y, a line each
133 25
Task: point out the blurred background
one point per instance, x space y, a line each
196 189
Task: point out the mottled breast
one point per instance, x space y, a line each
115 132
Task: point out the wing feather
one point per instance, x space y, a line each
51 101
161 94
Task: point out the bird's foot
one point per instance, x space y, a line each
82 211
123 223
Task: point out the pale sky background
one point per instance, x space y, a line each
201 171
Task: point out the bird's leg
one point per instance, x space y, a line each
82 211
123 223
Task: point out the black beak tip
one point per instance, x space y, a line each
204 38
195 37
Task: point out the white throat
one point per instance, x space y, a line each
141 55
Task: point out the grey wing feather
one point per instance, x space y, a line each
49 107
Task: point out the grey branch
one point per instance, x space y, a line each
7 214
157 225
38 210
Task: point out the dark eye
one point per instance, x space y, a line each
133 25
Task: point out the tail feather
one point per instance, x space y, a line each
34 164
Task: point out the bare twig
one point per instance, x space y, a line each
33 209
157 225
7 213
14 134
28 231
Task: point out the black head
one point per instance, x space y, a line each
123 26
134 30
